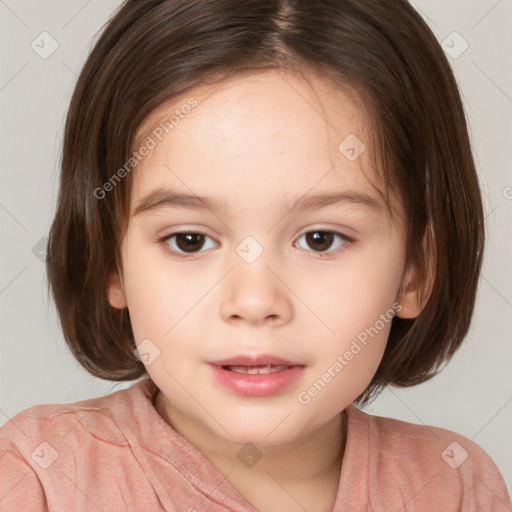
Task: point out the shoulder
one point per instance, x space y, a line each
44 431
45 447
431 465
427 444
46 422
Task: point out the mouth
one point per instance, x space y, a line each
256 376
256 370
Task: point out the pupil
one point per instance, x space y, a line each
193 241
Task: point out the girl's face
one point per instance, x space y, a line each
270 272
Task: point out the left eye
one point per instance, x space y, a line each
322 240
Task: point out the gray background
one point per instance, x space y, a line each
471 396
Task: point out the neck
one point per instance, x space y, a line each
313 457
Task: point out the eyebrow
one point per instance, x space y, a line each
167 198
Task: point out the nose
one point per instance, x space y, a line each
255 293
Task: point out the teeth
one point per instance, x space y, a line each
254 370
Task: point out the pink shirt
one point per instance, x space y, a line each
117 454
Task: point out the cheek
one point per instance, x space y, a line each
153 295
354 297
345 370
164 304
357 306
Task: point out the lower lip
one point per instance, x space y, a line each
261 384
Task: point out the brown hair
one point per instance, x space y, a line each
154 50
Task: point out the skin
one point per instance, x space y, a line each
255 142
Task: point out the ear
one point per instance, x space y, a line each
409 296
115 291
415 292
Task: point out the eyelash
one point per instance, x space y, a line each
345 246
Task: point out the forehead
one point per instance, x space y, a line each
276 128
299 99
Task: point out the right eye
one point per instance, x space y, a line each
186 243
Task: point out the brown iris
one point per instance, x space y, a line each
324 238
192 241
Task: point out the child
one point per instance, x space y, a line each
269 211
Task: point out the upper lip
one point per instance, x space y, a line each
253 360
